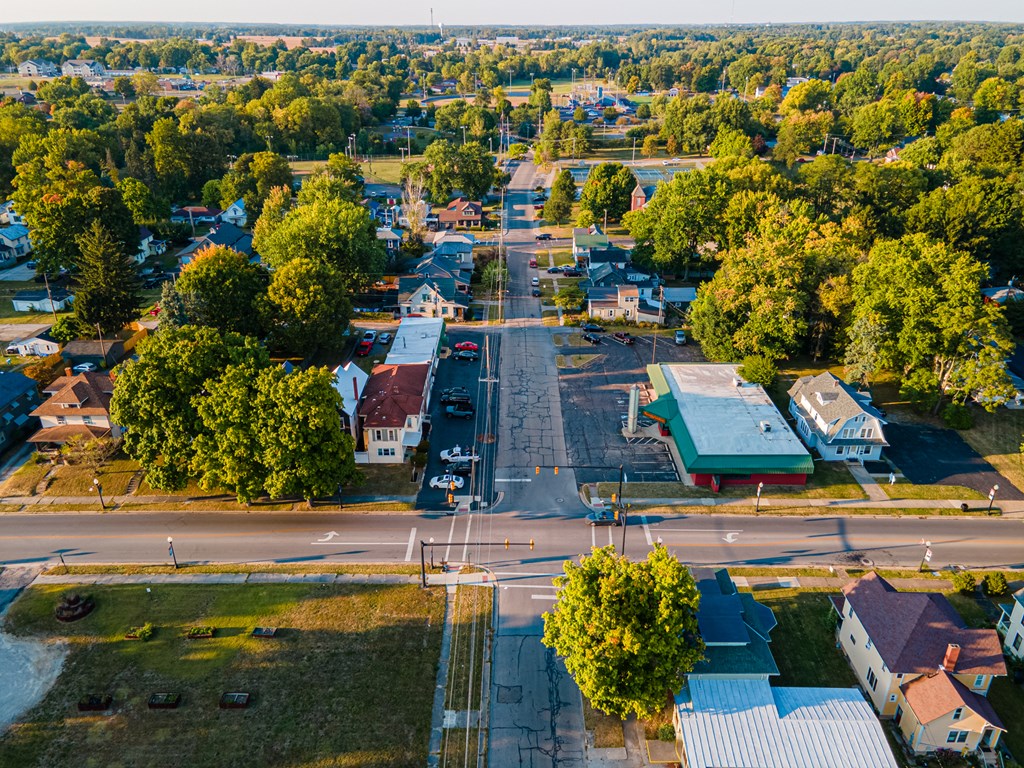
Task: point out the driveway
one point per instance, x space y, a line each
930 455
20 273
595 405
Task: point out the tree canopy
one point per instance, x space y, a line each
626 630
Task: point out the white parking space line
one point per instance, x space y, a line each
412 542
451 535
647 530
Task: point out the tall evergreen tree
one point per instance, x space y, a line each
109 288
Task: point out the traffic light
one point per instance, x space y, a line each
451 485
531 544
613 498
616 514
451 499
556 470
537 472
506 543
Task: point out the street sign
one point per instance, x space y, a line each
927 555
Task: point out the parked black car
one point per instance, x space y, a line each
450 398
467 355
592 338
591 327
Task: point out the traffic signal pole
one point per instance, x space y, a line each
424 544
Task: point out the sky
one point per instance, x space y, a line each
524 12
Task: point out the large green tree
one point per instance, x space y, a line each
109 291
335 232
558 207
221 289
154 400
305 450
608 190
627 630
918 307
252 177
307 308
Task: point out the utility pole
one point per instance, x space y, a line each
634 150
49 295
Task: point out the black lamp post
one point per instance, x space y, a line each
99 490
170 551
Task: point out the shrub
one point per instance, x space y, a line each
759 370
666 732
995 584
142 633
957 416
921 389
964 581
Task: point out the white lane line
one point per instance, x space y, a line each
700 530
412 542
451 535
647 530
610 535
527 573
543 597
465 546
526 586
593 537
513 480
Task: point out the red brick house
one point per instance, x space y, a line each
461 212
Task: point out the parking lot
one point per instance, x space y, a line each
930 455
595 405
477 432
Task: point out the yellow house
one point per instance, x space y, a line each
920 665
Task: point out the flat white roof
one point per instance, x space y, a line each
726 416
416 341
750 724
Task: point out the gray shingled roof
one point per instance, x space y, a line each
836 402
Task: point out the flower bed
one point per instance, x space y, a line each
198 633
139 633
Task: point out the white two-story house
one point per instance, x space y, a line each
920 665
1011 625
391 415
836 420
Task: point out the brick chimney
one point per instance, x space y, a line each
951 657
68 373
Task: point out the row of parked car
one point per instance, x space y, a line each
458 463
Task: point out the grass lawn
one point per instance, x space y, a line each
385 480
348 683
804 642
385 171
549 317
575 361
905 490
134 569
562 257
76 480
829 481
607 729
997 437
470 635
24 481
1008 700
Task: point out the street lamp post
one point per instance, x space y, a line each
431 553
992 496
757 507
99 491
170 551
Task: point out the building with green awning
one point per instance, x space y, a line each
726 431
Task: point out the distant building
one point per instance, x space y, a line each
235 213
196 214
350 380
86 68
418 340
392 239
1011 625
14 242
227 235
37 68
10 216
19 395
41 345
461 212
429 297
56 300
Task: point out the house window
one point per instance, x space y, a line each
979 681
1016 642
848 433
958 713
868 644
62 420
956 737
87 419
892 698
899 677
853 640
385 451
867 432
626 313
840 450
872 679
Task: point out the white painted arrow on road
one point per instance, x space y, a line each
328 536
730 538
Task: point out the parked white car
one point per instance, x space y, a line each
370 336
447 481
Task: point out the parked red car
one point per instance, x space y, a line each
364 348
467 345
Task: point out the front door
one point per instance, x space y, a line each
987 737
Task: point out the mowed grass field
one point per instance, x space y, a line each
349 681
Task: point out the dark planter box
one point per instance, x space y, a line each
164 700
236 700
265 632
95 702
199 633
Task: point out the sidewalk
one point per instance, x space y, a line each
184 577
113 501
